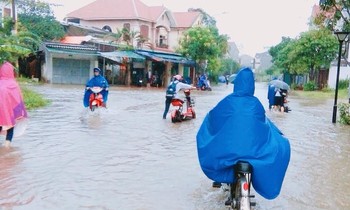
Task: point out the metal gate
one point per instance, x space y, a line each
70 71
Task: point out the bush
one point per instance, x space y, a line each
310 86
295 86
343 84
344 110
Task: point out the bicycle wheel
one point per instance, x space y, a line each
241 200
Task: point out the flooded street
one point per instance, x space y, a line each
128 157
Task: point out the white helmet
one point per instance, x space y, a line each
178 77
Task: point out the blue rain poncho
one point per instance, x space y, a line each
237 129
96 81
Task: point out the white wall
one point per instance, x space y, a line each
344 73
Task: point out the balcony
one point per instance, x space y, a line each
162 45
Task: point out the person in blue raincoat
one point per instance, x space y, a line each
203 82
99 81
271 93
237 129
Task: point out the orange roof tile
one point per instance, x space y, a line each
75 39
316 10
117 9
185 19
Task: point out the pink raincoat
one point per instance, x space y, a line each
12 108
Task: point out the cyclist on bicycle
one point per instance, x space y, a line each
237 129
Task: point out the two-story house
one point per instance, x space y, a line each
159 28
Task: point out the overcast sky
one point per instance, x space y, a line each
254 25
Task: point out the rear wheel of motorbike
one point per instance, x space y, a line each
193 114
237 195
93 107
178 116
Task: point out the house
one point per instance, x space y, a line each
161 27
327 77
5 11
152 28
68 63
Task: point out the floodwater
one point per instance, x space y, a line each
128 157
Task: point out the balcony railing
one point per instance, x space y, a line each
165 46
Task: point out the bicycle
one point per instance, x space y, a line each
239 196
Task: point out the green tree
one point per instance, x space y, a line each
14 46
280 55
205 46
229 66
127 37
207 20
37 17
312 51
275 50
331 12
273 70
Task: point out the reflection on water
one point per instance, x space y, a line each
128 157
10 160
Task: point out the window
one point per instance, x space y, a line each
127 26
107 28
7 12
144 31
161 40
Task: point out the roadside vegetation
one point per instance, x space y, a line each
320 94
32 99
343 108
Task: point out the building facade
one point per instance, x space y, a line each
153 29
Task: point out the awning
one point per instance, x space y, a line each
117 55
156 56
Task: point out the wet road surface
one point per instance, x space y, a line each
128 157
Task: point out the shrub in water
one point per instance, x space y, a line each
344 110
310 86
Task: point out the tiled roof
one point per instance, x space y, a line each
61 46
130 9
185 19
117 9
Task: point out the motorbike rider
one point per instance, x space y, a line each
238 129
179 85
271 93
203 82
96 81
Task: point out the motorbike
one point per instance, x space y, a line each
284 107
204 84
96 98
205 87
239 191
180 114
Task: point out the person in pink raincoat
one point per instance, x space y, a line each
12 108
